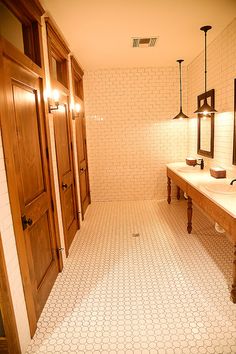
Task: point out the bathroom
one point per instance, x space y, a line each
130 278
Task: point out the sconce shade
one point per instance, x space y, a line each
205 108
180 115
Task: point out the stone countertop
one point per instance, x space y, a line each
200 179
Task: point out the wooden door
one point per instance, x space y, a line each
82 162
66 173
24 130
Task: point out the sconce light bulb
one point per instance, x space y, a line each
55 95
77 107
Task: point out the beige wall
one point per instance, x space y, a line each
130 133
221 74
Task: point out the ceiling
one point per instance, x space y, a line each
99 32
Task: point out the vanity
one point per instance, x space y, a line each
216 197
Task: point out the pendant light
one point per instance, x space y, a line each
180 115
205 108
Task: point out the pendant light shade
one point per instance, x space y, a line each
205 108
180 115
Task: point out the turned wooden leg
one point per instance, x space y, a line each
168 190
178 193
190 213
233 290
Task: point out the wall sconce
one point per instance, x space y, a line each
76 108
55 99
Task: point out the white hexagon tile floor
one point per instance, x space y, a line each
163 291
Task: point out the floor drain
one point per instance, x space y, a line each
135 235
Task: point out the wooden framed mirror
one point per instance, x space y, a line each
234 141
205 145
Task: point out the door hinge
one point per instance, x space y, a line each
47 154
59 250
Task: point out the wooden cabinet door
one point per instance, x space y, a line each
26 132
83 163
66 173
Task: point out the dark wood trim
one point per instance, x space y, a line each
29 13
57 49
209 94
234 143
18 57
77 74
11 343
26 11
75 67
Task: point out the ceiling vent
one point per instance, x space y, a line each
144 42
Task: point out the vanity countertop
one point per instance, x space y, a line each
202 180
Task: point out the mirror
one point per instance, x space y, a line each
234 146
206 126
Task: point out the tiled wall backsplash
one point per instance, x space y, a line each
221 58
130 135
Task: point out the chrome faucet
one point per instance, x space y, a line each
232 182
201 164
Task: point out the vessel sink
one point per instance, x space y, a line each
188 169
220 188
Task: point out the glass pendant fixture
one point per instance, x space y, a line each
180 115
205 108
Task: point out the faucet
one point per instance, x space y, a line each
201 164
232 182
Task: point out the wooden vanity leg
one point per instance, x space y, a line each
233 290
168 190
178 193
190 213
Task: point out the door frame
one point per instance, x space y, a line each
57 48
8 50
78 94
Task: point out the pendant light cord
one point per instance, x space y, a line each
205 61
180 83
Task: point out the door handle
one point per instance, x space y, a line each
64 186
26 222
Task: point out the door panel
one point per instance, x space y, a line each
83 162
25 103
40 237
66 173
69 206
26 116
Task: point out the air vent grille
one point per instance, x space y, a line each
144 42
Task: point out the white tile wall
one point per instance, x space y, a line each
130 133
221 73
11 258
